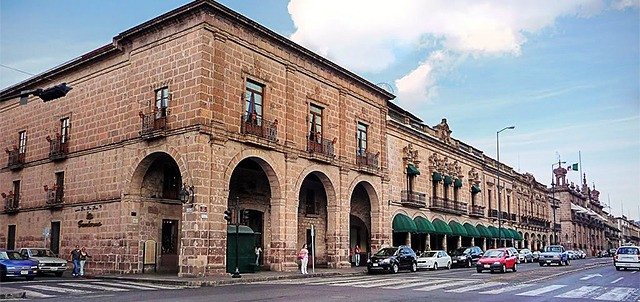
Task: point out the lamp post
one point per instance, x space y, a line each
499 207
553 200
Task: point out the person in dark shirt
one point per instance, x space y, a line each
75 258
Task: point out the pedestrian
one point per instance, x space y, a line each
356 254
75 258
303 255
83 259
258 250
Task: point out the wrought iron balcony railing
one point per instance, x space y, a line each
154 124
413 199
367 159
55 196
16 159
477 211
321 146
58 147
11 203
256 125
449 206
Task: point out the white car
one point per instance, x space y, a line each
625 257
434 260
48 262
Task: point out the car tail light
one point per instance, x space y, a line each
615 256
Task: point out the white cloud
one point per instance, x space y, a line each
366 35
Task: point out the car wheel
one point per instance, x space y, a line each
4 278
59 274
448 265
30 278
414 267
394 268
435 266
515 267
618 268
479 270
541 264
503 269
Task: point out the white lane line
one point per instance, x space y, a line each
506 289
57 289
617 294
542 290
474 287
340 280
410 284
388 282
616 281
155 286
31 294
96 286
364 282
581 292
443 285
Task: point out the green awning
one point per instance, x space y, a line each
442 227
242 229
458 229
484 232
475 189
515 235
471 230
412 170
448 180
402 223
436 176
424 226
506 234
457 183
494 231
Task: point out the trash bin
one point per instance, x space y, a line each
246 249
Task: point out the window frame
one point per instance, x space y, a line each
362 136
64 129
22 142
162 97
250 101
316 114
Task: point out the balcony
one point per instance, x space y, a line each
448 206
514 217
11 203
16 159
321 148
477 211
54 197
367 161
58 147
260 128
531 221
413 199
154 125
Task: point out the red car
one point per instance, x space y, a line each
497 260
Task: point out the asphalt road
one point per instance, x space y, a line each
578 282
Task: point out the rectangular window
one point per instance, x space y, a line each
489 198
162 102
22 143
16 193
315 123
64 130
362 140
253 97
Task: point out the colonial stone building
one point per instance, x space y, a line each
202 110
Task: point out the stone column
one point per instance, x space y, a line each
283 248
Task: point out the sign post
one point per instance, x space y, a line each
313 240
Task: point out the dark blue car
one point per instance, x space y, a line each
12 264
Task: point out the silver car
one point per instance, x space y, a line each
48 262
525 255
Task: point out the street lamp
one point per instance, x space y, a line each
499 207
553 200
47 94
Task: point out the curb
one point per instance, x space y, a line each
13 294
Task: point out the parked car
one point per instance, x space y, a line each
434 260
12 264
515 252
554 254
393 259
627 257
536 255
525 255
581 254
497 260
612 252
48 262
466 256
572 255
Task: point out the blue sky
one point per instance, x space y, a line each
565 74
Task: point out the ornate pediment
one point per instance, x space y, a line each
410 156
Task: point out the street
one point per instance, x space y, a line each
584 280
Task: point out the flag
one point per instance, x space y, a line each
573 167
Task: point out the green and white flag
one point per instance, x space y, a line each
573 167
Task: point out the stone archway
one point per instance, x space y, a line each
360 220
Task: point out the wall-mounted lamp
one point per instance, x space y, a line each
187 195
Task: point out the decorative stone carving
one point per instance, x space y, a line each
443 132
474 176
410 156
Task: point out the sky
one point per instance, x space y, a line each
565 73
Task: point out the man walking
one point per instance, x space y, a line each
75 258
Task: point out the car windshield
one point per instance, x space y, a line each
42 253
429 254
493 254
460 252
11 256
554 249
388 251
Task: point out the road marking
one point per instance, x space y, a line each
542 290
474 287
388 282
384 281
587 277
506 289
32 294
615 281
617 294
58 290
133 286
96 286
443 284
410 284
152 286
581 292
340 280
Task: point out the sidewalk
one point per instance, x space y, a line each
171 279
